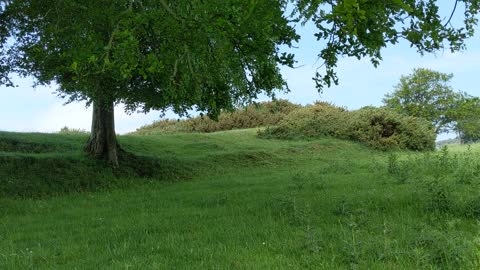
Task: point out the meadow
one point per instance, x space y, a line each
231 200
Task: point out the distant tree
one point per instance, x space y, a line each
468 120
206 55
426 93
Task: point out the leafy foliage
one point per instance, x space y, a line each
379 128
203 54
382 128
319 119
4 65
361 28
426 93
468 120
179 55
152 54
256 115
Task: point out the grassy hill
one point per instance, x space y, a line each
230 200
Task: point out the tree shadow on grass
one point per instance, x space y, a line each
34 176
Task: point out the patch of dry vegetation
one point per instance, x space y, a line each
256 115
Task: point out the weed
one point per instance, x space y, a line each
302 181
400 170
393 167
471 208
343 208
352 247
292 209
438 194
446 251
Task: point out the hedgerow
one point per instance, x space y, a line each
379 128
252 116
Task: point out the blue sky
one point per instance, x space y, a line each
27 109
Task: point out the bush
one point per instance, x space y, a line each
255 115
164 126
380 128
68 131
319 119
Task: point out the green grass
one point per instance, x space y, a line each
229 200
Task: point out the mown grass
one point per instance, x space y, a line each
230 200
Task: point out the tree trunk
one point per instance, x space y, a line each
102 143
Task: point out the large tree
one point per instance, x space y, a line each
149 54
427 94
204 54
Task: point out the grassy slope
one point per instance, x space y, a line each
246 203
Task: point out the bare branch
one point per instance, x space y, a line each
451 15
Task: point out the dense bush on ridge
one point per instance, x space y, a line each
379 128
382 128
255 115
320 119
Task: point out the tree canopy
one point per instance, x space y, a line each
177 55
468 121
426 93
362 28
152 54
204 55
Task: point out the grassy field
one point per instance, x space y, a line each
230 200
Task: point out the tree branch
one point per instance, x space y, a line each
451 15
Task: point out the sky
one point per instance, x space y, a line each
28 109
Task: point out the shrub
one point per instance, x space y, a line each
380 128
319 119
164 126
68 131
255 115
